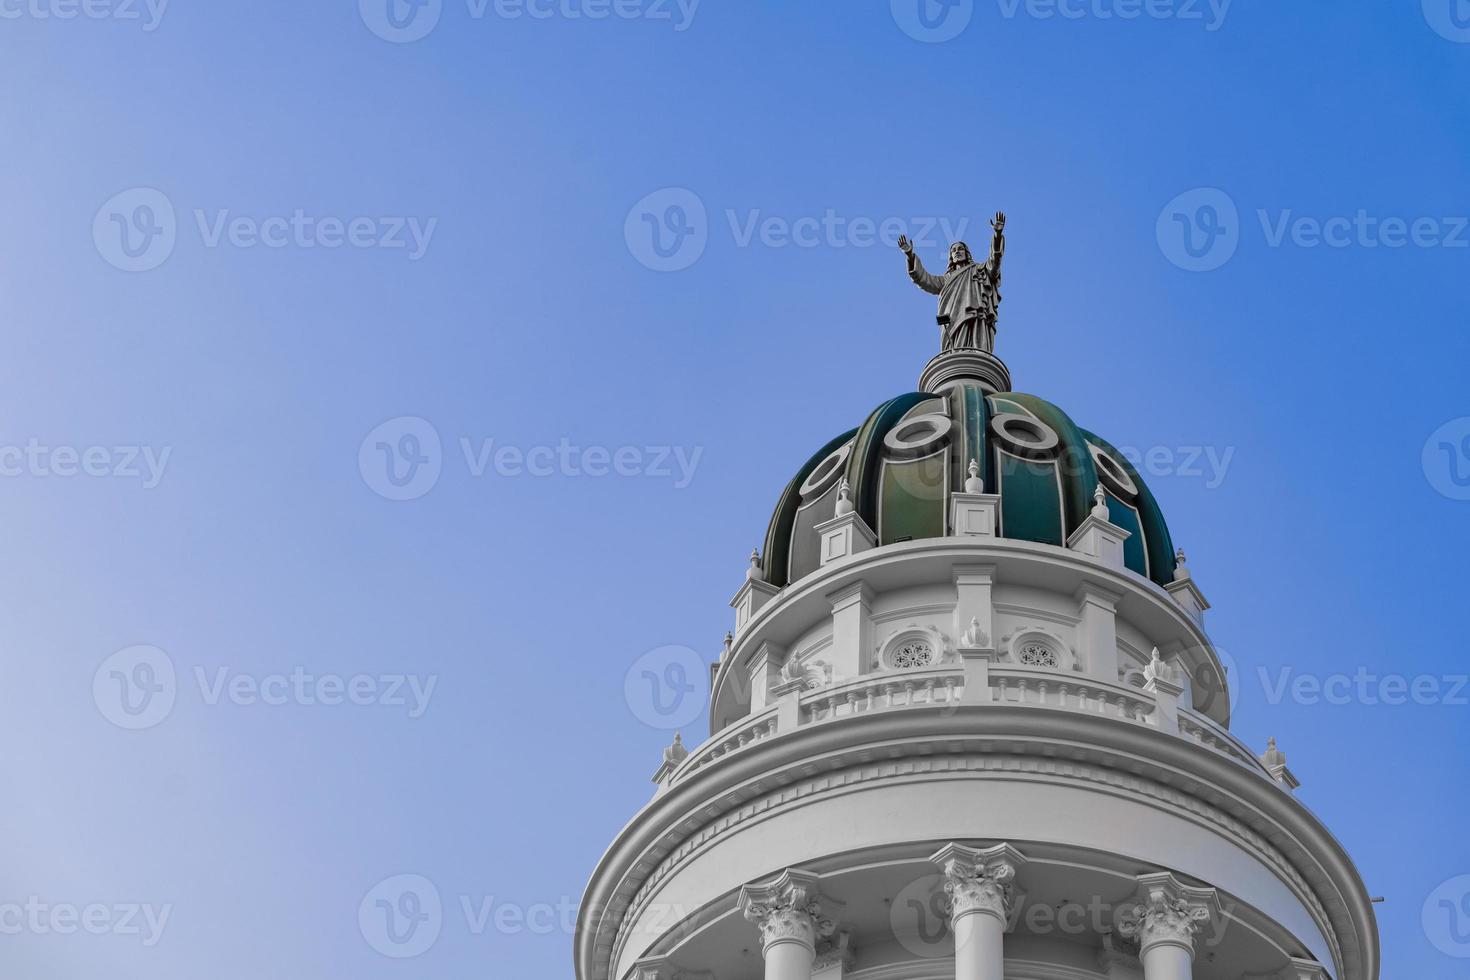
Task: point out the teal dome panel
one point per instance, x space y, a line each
912 451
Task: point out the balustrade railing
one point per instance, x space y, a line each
941 687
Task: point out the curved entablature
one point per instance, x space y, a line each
1090 795
913 451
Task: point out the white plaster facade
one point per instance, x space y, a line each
973 758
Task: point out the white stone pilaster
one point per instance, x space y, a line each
974 515
753 595
844 536
1098 537
765 674
1097 630
852 630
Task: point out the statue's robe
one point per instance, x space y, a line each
967 303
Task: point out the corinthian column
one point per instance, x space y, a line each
788 912
980 885
1164 917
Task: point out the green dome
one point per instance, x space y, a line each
912 451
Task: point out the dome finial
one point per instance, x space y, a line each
755 573
844 498
1180 572
974 484
1100 507
676 753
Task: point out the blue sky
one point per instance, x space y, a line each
366 229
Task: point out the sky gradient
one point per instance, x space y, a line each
247 246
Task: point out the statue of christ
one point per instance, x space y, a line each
969 292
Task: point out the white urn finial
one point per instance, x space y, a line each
844 498
755 573
974 484
1100 505
1180 571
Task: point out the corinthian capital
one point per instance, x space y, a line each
788 910
980 880
1167 912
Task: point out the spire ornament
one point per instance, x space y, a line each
973 484
844 498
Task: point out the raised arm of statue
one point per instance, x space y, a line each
921 277
997 246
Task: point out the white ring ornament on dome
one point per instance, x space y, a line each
826 473
1113 474
1026 435
920 436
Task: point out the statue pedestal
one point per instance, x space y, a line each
965 364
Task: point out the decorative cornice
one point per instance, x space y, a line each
1167 912
1174 774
